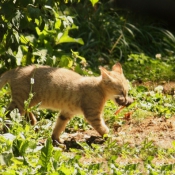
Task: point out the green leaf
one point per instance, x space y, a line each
11 8
66 61
33 11
46 154
42 53
42 24
94 2
64 169
3 29
16 19
65 38
68 39
10 172
20 146
76 55
5 158
16 35
142 89
12 41
58 24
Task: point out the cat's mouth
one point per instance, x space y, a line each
122 101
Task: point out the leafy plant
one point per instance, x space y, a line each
136 63
34 34
61 34
45 157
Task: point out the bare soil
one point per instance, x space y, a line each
160 131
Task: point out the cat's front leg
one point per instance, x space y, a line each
98 124
60 126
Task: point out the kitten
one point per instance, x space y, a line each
67 91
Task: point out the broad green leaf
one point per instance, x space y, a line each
76 55
42 54
20 146
46 154
66 61
57 155
94 2
34 12
10 172
78 69
58 24
5 158
17 160
65 38
16 36
7 5
67 170
16 19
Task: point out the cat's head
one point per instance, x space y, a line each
116 85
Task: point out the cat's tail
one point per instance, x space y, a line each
4 79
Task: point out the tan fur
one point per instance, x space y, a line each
65 90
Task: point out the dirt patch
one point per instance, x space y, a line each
74 140
160 131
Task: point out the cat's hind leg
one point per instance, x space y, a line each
15 105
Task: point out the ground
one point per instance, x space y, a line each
137 144
159 130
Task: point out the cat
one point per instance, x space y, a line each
67 91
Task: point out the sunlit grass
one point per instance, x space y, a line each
25 144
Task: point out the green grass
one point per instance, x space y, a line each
146 51
28 149
144 68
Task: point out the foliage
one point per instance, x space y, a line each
35 33
155 69
61 34
51 32
111 35
28 150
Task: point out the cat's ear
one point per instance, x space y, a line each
117 68
104 73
